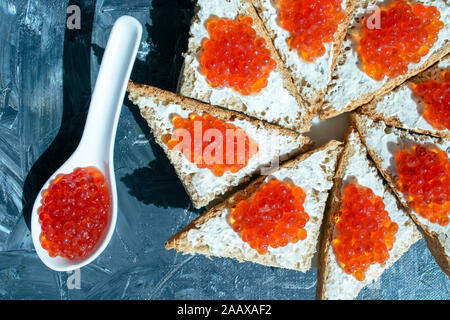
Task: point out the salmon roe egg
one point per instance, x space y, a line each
404 35
436 96
424 178
234 56
74 212
273 216
310 24
211 143
364 232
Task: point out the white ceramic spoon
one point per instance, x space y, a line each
96 147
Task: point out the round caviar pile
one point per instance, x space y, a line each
234 56
74 213
310 23
212 143
436 96
274 216
424 178
406 34
364 231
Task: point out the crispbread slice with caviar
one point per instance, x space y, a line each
310 77
203 186
383 144
350 86
212 234
355 168
405 107
276 101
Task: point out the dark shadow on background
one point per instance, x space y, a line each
76 97
157 183
168 34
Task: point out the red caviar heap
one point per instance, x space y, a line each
424 178
273 216
406 34
436 95
310 23
235 57
364 231
74 213
212 143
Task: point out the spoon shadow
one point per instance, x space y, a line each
76 97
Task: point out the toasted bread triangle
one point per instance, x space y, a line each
274 143
350 86
401 108
278 103
382 142
310 78
211 235
355 167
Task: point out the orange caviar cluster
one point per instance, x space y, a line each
234 56
212 143
406 33
364 232
74 213
310 23
424 178
436 95
273 216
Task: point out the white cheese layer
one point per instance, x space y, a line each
385 146
341 285
271 146
274 103
222 240
349 81
315 74
404 106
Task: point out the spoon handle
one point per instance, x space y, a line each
106 102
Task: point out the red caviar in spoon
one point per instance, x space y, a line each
234 56
364 233
406 34
436 95
74 213
273 216
424 178
212 143
310 23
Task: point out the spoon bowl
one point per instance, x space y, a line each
96 148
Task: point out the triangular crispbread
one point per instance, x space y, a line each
355 167
212 235
382 143
274 143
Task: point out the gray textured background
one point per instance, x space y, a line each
46 77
